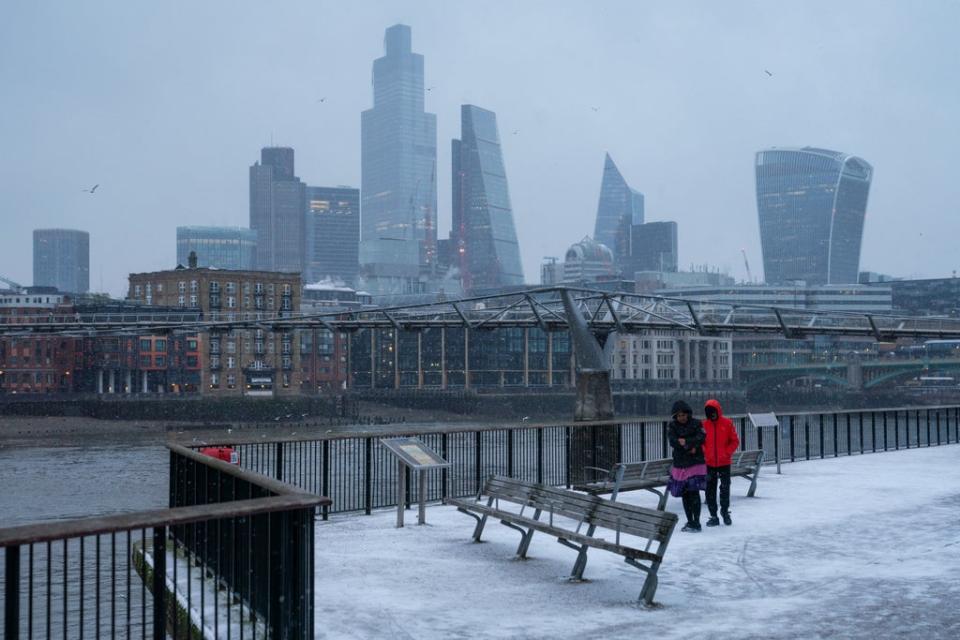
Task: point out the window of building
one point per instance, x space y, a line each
231 362
161 361
231 381
161 345
145 345
214 380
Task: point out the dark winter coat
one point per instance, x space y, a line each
690 453
721 438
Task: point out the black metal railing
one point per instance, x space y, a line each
359 474
233 556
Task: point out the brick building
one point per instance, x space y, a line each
252 362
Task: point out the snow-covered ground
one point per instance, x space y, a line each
854 547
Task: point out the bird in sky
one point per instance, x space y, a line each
768 73
595 108
431 88
91 189
323 99
516 131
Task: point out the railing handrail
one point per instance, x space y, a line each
414 429
51 531
265 482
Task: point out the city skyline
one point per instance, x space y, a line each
684 133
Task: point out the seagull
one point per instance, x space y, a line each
91 189
524 418
767 72
431 88
516 131
323 99
595 108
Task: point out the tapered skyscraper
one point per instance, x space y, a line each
483 234
618 209
398 173
811 204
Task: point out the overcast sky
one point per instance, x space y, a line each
167 104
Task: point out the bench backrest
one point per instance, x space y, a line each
751 458
588 509
643 470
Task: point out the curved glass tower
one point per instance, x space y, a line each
483 230
811 203
619 208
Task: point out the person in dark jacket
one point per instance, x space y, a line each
688 473
718 450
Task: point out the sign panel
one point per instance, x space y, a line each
414 453
764 419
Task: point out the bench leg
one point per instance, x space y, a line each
649 588
527 537
581 563
753 482
478 530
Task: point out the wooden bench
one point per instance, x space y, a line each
574 519
651 474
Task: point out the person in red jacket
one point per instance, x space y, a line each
718 449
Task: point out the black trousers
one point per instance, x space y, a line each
723 475
691 506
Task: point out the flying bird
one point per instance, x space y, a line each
91 189
431 88
516 131
323 99
768 73
595 108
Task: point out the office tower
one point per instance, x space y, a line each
619 208
218 247
61 259
333 234
811 204
276 211
653 247
398 173
483 229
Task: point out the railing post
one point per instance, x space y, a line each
793 441
11 599
510 452
896 430
444 472
539 455
477 459
278 461
666 440
276 572
325 478
368 476
643 441
160 583
806 439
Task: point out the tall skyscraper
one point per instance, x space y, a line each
398 173
811 203
619 208
276 211
61 259
333 233
483 231
219 247
653 247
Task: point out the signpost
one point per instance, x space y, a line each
414 455
767 421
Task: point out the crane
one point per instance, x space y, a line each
17 287
746 264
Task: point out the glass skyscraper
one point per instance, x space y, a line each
811 203
619 208
277 211
219 247
333 234
483 232
398 173
653 247
61 259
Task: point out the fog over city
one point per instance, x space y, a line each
165 106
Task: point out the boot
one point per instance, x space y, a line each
713 521
726 518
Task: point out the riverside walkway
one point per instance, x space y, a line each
852 547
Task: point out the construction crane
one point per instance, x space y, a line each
15 286
746 264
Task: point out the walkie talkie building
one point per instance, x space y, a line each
811 203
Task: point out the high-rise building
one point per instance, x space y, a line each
333 234
483 230
276 211
653 247
811 203
398 173
61 259
218 247
619 208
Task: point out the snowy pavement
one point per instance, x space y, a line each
853 547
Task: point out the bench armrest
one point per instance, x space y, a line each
607 472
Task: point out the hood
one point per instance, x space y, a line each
716 405
680 407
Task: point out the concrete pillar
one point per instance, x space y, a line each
113 382
466 358
129 385
143 384
550 359
100 382
443 357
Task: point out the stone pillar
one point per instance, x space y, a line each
129 385
113 382
100 382
143 384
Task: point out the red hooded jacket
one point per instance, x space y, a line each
721 440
